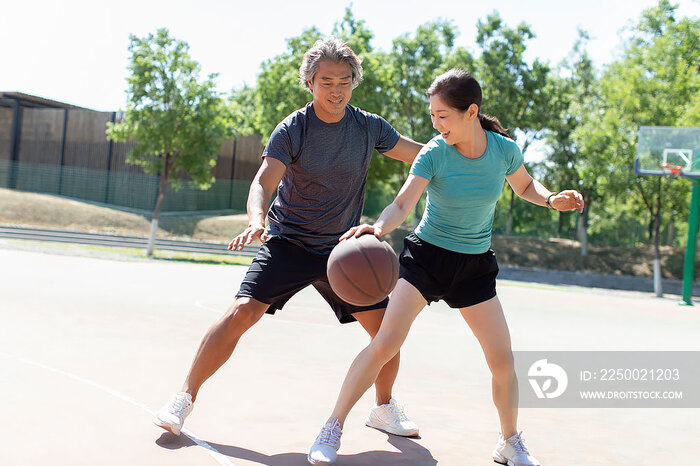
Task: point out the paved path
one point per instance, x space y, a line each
90 347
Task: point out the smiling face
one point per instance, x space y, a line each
453 124
450 122
332 88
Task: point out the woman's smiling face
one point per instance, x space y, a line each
449 121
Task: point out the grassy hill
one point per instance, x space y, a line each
31 209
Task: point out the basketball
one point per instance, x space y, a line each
363 271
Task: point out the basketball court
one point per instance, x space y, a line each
89 348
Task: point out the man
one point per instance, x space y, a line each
318 159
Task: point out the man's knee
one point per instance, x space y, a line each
370 320
244 313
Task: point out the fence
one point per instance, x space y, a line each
65 152
132 191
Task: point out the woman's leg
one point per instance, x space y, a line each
489 325
371 321
405 304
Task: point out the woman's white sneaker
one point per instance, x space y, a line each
392 419
513 452
325 448
172 415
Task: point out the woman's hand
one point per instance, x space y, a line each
567 200
360 230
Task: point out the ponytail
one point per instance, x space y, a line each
491 123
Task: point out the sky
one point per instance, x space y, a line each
75 51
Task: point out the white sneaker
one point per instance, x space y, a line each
513 452
390 418
325 448
171 416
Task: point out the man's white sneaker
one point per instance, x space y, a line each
171 416
391 418
325 448
513 452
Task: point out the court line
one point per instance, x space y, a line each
213 452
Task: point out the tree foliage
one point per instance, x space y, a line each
656 82
176 120
278 91
513 89
573 94
587 118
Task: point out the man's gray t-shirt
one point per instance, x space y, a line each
322 193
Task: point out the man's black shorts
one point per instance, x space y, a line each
282 268
461 280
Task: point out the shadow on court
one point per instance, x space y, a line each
174 442
410 453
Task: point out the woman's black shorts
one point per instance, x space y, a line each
282 268
461 280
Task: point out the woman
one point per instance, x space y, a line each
448 255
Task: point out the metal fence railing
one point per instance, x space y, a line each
121 189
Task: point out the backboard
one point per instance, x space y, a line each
667 150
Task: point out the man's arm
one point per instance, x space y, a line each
264 184
405 150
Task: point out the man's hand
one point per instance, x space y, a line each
253 232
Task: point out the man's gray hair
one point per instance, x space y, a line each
332 49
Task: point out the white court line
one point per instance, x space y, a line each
213 452
209 308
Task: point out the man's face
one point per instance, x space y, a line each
332 89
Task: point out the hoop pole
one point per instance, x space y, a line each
689 264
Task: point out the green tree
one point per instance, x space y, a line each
242 110
655 83
177 121
573 96
278 91
514 91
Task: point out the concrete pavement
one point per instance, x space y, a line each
89 348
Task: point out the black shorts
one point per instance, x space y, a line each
461 280
281 269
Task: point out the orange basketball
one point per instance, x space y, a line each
363 271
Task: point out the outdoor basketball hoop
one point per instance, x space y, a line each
674 152
672 168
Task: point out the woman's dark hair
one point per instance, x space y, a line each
459 90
